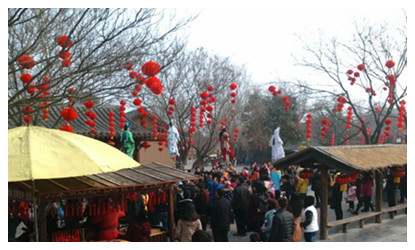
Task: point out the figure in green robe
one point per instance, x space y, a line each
127 140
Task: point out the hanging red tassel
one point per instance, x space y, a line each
122 203
163 199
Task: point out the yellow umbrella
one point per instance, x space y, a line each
41 153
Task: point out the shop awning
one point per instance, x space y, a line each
348 158
148 175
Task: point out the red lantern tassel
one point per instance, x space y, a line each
122 203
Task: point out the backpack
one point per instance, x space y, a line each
262 203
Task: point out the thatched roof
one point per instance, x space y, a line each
349 158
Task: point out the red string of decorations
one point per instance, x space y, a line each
308 127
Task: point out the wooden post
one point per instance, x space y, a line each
324 201
42 222
378 202
171 215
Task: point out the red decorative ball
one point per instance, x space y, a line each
64 55
67 128
88 104
233 101
137 102
204 95
68 114
32 89
390 64
157 88
63 41
27 119
349 72
233 94
172 101
209 108
150 68
388 121
271 88
284 98
210 88
26 78
132 74
233 86
361 67
26 62
66 63
356 74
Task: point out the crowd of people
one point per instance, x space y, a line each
269 204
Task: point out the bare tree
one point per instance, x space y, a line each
102 41
187 77
372 47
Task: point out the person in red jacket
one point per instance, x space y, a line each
139 229
108 224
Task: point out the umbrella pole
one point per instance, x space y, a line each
35 212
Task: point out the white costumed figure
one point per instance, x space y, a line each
173 138
277 151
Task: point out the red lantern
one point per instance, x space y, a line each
233 94
128 65
204 95
233 86
272 89
132 74
26 62
233 101
151 81
137 102
63 41
160 148
284 98
390 64
64 55
306 174
140 79
398 173
66 63
26 78
89 104
388 121
27 119
145 145
349 72
356 74
361 67
343 179
172 101
32 89
67 128
68 114
210 88
111 143
157 88
150 68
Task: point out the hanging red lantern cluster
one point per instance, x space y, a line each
67 128
349 119
202 111
170 108
378 109
324 128
27 110
333 139
397 172
351 78
91 115
68 114
65 43
233 86
274 90
235 134
286 101
306 174
43 87
45 110
111 124
390 83
122 119
341 101
26 62
192 127
342 179
371 91
154 117
309 125
402 113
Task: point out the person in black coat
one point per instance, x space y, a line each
336 201
240 205
220 217
282 224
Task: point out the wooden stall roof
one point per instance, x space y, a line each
149 174
348 158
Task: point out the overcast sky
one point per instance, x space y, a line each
266 39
